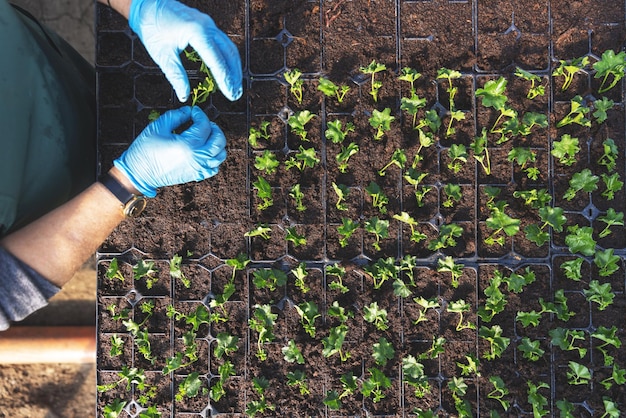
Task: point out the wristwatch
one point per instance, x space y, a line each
132 204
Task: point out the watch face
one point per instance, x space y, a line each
135 207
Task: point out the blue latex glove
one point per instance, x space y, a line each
166 27
158 157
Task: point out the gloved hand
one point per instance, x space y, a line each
166 27
158 157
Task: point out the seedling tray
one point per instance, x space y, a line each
204 227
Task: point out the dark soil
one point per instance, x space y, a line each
205 222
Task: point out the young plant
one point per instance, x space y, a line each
458 387
379 228
190 387
296 194
305 157
580 240
413 375
383 352
342 191
339 273
609 156
375 385
308 312
114 409
447 265
606 261
346 229
577 113
330 89
530 349
344 155
472 366
550 216
264 192
224 371
113 271
414 178
297 122
584 180
602 294
537 401
578 374
291 235
572 268
294 79
404 217
375 315
536 86
458 156
565 339
203 90
499 392
373 68
568 69
349 384
601 106
269 278
176 272
409 75
449 75
263 322
453 195
566 149
412 105
297 378
117 346
382 270
145 270
425 305
612 184
300 274
266 162
446 238
608 336
292 354
381 121
426 140
481 152
260 406
398 159
611 218
435 349
499 222
610 68
261 230
335 131
225 345
333 343
496 301
254 134
332 400
497 343
460 307
522 156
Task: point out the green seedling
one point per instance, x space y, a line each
145 270
129 376
601 106
291 235
113 271
495 301
455 115
297 378
266 162
398 159
383 351
292 353
342 191
263 321
408 263
114 409
414 178
413 375
580 240
381 121
584 180
333 344
516 282
404 217
339 312
261 230
382 270
190 387
447 265
300 274
425 305
260 406
379 199
497 343
566 408
449 75
530 349
345 230
330 89
153 115
269 278
339 273
566 149
332 400
436 348
117 346
610 408
426 140
373 68
602 294
499 392
294 79
336 132
296 194
565 339
550 216
606 261
412 105
376 316
457 153
224 371
409 75
537 401
611 218
203 90
536 86
453 195
226 345
264 192
608 336
460 307
535 198
446 238
618 377
577 113
522 156
308 312
458 387
254 134
375 385
612 184
298 121
481 152
176 272
568 69
609 156
379 228
238 263
344 155
349 385
578 374
572 269
499 222
472 366
305 157
611 65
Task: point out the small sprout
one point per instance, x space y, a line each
335 131
349 384
609 155
499 392
409 75
342 193
300 274
261 230
446 238
613 185
375 315
536 399
308 312
522 156
404 217
296 194
114 409
264 192
344 155
536 88
201 92
297 378
294 79
601 106
426 140
291 234
461 307
153 115
117 345
445 73
565 339
425 304
568 69
381 121
610 219
226 345
609 65
375 385
572 268
113 271
398 159
446 264
346 229
481 152
606 261
339 272
412 105
602 294
189 387
225 371
305 157
584 180
578 374
255 134
382 270
333 343
292 354
580 240
330 89
145 270
266 162
453 195
458 156
176 272
530 349
436 348
566 149
260 406
497 343
297 122
577 113
379 199
379 228
499 222
373 68
414 178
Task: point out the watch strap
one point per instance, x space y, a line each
119 191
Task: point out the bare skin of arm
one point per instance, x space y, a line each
120 6
57 244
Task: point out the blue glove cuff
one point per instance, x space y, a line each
144 189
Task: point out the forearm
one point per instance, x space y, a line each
121 6
57 244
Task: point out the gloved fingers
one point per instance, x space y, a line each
169 61
170 120
216 145
200 130
221 55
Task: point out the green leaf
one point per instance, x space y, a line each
610 64
383 351
579 240
492 94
